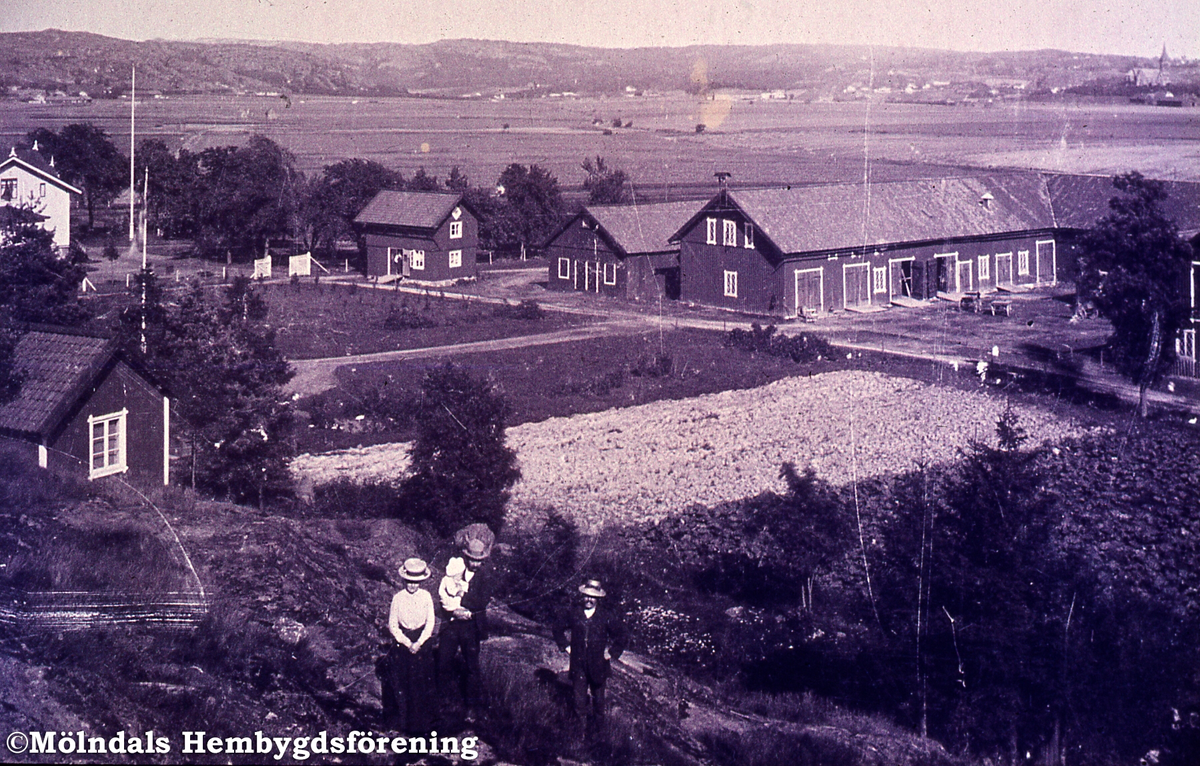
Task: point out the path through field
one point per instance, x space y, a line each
644 462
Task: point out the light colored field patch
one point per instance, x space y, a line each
643 462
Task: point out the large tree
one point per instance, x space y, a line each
603 184
340 193
1133 266
174 187
36 284
247 195
529 208
86 157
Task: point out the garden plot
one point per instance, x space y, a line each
643 462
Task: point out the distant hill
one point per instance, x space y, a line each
79 61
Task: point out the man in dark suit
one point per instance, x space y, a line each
465 626
597 635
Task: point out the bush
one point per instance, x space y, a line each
527 310
799 348
111 252
660 365
539 572
407 318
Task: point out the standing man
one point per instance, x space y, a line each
597 635
465 623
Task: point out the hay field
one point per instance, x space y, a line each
758 141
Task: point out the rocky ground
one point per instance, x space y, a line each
640 463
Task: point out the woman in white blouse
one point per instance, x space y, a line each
410 658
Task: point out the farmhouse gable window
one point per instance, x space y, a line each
416 260
879 281
984 268
455 259
564 268
107 444
1023 262
42 190
730 233
749 243
456 229
610 273
731 284
711 233
8 189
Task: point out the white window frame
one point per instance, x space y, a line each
564 268
731 284
711 231
879 279
416 260
749 235
1185 346
730 233
607 268
41 190
984 272
1022 263
455 257
8 189
456 228
113 424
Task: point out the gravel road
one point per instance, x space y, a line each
643 462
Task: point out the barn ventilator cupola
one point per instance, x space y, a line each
723 185
986 200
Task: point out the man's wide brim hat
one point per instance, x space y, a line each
414 570
475 541
592 588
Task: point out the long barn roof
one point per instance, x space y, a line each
840 216
1081 201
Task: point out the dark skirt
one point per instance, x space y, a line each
411 678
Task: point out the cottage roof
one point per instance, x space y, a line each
636 229
1081 201
59 368
35 163
823 218
418 210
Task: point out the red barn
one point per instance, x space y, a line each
619 250
426 236
851 246
82 409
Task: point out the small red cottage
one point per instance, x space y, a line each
859 247
425 236
619 250
82 409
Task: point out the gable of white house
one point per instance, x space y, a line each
25 186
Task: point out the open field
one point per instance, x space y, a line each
760 142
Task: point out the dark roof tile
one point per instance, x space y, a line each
56 366
420 210
643 228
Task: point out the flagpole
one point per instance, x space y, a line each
132 174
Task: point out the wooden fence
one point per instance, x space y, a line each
75 610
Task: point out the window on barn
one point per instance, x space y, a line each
984 268
416 260
8 189
712 231
731 284
749 234
107 444
879 275
730 233
455 259
456 229
610 273
564 268
1023 262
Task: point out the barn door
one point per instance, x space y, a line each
809 291
857 278
1004 269
1045 262
964 280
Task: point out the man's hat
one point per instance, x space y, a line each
414 570
475 541
592 588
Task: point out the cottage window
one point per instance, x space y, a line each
730 233
1185 345
984 268
456 229
610 273
8 189
41 190
108 444
712 231
749 234
416 260
455 259
564 268
1023 262
879 281
731 284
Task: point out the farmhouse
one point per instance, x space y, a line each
82 409
29 182
808 250
619 250
424 236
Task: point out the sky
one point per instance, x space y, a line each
1086 26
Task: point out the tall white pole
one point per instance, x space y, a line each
145 216
132 175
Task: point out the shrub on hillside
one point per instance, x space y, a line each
405 317
539 568
658 365
527 310
803 348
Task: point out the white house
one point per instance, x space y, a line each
28 181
